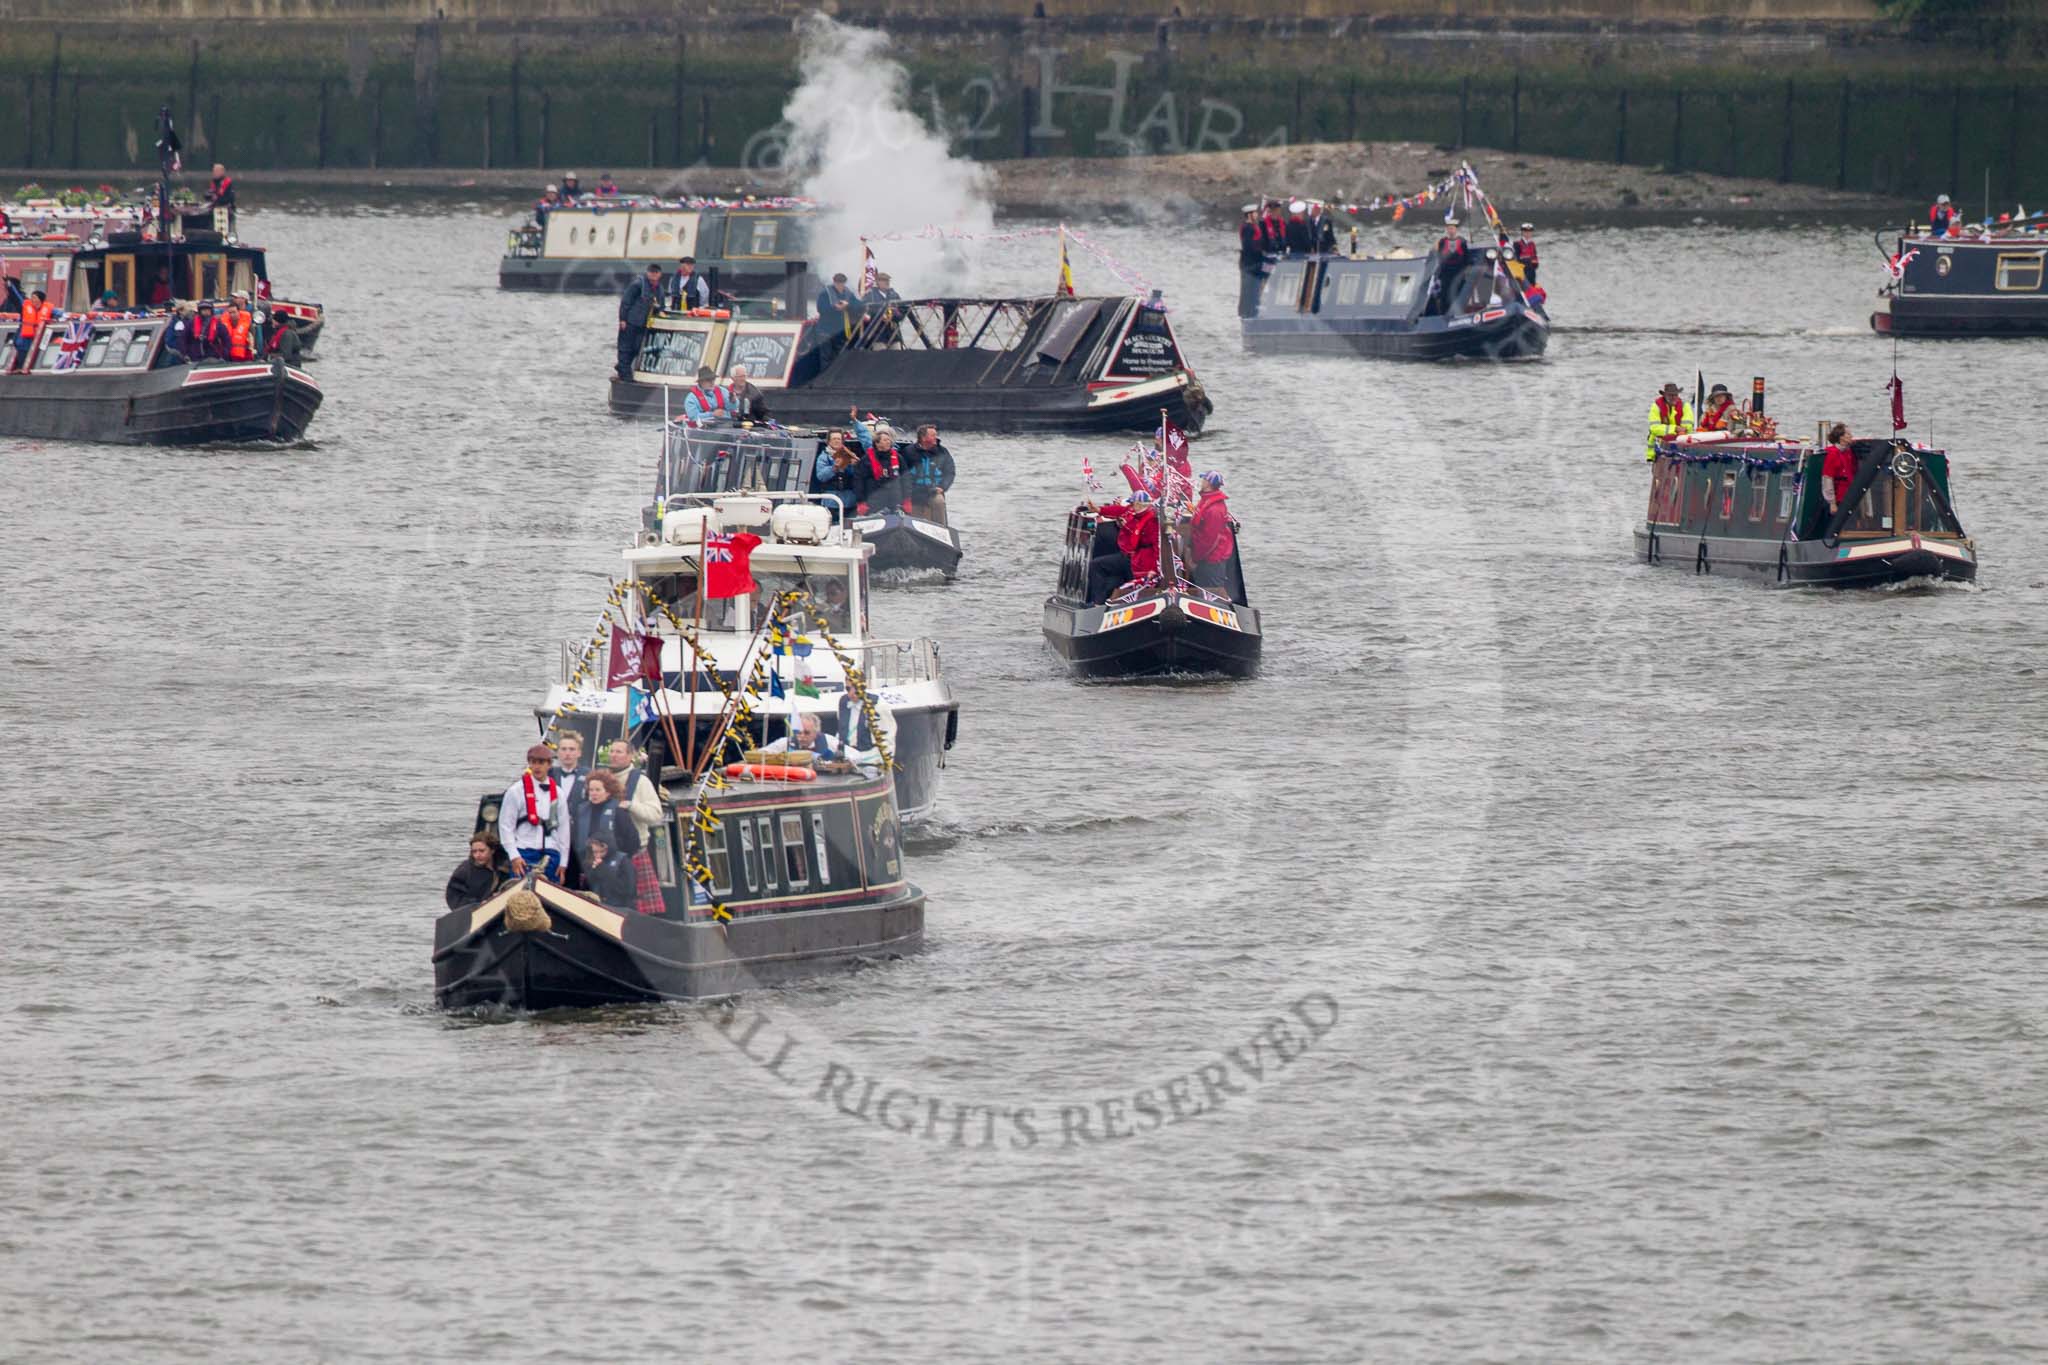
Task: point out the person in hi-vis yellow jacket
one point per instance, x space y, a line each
1669 417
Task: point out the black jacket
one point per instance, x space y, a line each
747 404
1301 238
1251 244
609 820
681 293
928 469
470 885
637 302
613 881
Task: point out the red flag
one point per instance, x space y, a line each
1898 388
1177 451
726 557
634 658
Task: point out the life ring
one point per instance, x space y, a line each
770 772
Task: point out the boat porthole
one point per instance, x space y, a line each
611 235
572 236
1941 266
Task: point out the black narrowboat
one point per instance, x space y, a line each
1384 306
75 272
600 246
808 876
1161 624
1986 286
1723 503
1055 364
112 378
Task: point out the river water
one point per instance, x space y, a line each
1547 957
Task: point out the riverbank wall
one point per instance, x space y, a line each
1826 93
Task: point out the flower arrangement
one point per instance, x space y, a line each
74 198
30 191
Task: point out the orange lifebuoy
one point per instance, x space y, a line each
770 772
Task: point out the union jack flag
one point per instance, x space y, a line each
71 350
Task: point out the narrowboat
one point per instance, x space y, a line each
113 378
1384 306
1160 624
75 261
1051 364
800 878
599 246
753 481
1988 285
1723 503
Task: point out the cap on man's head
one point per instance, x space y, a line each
705 374
570 176
1140 496
1213 479
1251 208
654 267
1528 227
881 277
553 189
540 753
1941 199
1298 206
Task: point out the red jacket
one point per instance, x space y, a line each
1137 535
1839 464
1214 540
1716 419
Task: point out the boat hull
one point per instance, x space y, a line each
590 955
1159 637
180 405
923 734
1938 317
1850 564
910 544
1070 408
1518 336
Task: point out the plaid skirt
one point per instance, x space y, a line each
646 885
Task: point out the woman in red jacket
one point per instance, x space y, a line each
1214 537
1137 543
1837 467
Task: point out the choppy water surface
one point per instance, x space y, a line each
1680 936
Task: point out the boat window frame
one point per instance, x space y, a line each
1349 286
2037 261
771 865
664 854
1285 284
1787 498
1378 284
796 863
750 857
1404 287
124 266
718 859
1760 495
823 845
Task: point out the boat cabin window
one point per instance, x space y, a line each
209 276
677 353
664 855
2019 271
827 594
1759 488
679 591
716 859
1377 284
752 236
1284 286
121 278
1404 288
764 834
750 857
820 846
795 864
1347 287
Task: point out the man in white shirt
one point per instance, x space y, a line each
533 818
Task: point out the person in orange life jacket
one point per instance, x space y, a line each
241 324
1213 540
1942 217
840 475
1525 252
35 311
1137 546
1837 467
706 402
1719 411
883 465
533 819
639 300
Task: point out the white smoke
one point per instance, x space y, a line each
855 145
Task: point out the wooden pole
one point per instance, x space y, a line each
323 123
1785 146
518 151
546 103
490 117
1842 140
1621 127
682 53
1515 114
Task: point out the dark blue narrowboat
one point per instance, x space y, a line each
1985 286
1721 503
1386 306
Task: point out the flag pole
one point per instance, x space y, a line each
1169 574
695 658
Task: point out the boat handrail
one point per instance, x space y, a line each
893 663
523 241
